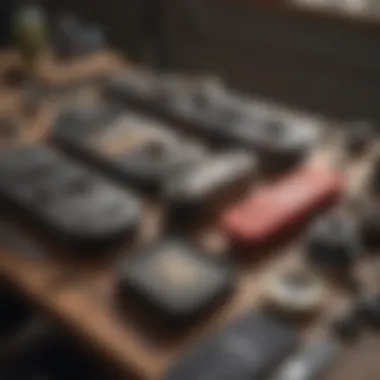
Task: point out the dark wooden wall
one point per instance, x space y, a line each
323 65
5 12
318 64
125 21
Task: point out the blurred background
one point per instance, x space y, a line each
320 55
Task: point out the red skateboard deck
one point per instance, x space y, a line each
262 216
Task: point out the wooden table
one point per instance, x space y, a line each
83 297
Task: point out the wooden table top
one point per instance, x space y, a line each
83 297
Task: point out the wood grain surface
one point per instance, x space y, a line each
83 297
364 20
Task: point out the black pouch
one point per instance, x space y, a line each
66 200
